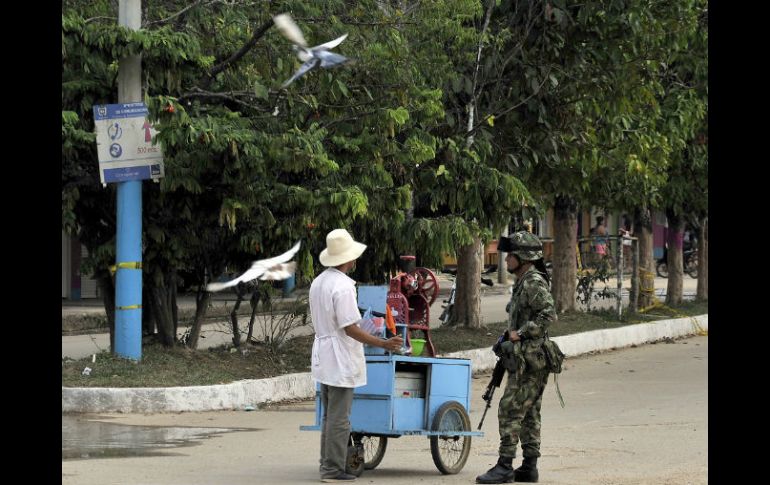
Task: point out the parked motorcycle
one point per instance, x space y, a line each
690 263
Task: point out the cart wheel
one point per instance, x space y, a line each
374 450
355 461
427 283
450 452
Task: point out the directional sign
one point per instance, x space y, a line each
124 143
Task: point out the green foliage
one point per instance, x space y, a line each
684 98
587 280
603 102
250 168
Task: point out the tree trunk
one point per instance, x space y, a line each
643 230
241 289
703 261
107 286
675 260
148 317
467 308
163 305
173 303
162 315
202 300
633 296
254 302
564 281
502 267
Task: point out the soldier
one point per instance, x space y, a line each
531 311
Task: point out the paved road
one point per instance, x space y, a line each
492 310
636 416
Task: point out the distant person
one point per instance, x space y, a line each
690 238
599 239
625 234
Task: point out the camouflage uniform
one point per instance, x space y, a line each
531 312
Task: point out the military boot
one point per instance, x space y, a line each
527 472
502 472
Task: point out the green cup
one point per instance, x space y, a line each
417 345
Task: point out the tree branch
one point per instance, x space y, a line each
181 12
505 111
351 118
196 92
474 96
100 18
241 52
529 23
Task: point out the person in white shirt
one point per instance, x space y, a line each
338 361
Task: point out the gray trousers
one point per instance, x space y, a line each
335 429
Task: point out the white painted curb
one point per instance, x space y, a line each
300 386
598 340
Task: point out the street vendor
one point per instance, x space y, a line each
338 361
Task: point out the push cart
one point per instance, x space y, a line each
404 395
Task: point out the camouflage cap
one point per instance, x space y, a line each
523 244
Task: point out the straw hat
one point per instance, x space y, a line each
340 248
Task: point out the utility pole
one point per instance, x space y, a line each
128 257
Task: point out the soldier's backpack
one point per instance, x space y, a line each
553 356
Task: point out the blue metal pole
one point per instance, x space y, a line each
128 279
128 250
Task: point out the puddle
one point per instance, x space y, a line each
83 439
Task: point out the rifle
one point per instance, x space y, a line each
497 377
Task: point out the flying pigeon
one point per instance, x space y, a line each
276 268
311 57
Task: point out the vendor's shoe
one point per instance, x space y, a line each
341 478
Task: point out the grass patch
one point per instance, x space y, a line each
179 366
162 367
220 309
77 324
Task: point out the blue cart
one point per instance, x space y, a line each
409 396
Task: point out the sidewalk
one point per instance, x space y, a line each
227 299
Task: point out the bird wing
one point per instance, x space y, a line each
330 59
251 274
331 44
289 29
283 258
260 267
280 271
305 67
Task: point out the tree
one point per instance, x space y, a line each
249 167
685 102
582 133
462 197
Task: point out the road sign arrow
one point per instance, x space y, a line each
147 136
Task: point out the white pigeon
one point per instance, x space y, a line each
311 57
277 268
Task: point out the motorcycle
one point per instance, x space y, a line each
690 263
449 303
